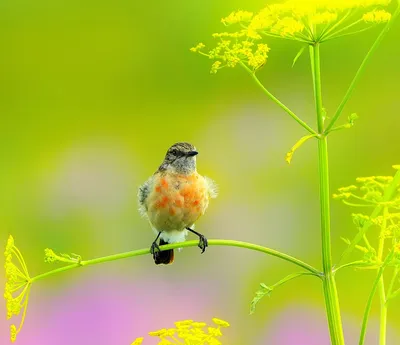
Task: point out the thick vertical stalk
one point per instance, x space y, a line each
329 284
381 285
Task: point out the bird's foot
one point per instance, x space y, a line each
154 249
203 243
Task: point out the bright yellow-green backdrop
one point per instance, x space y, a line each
92 93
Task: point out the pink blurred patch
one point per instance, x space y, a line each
307 325
109 309
300 325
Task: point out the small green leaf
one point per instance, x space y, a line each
352 117
300 142
298 55
264 290
324 114
345 240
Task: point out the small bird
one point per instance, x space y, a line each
174 198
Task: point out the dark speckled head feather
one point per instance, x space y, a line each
180 158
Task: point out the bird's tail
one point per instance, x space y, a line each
165 257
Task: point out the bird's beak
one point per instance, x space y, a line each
192 153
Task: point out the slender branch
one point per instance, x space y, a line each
355 264
277 101
328 37
362 67
290 277
329 286
345 126
391 285
393 295
348 34
370 298
268 34
145 251
328 29
387 195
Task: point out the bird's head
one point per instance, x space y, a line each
180 158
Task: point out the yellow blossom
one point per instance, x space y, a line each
375 16
215 332
13 333
197 48
190 332
215 67
237 17
138 341
323 18
159 333
183 324
165 342
220 322
50 256
17 287
287 26
9 246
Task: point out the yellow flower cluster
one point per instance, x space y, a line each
237 17
377 16
317 20
190 332
369 193
308 21
371 188
229 53
17 287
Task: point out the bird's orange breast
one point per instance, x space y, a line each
177 201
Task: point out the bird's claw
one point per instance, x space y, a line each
154 248
203 243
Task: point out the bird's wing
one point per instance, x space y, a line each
143 193
212 187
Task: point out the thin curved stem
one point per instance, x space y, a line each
392 281
139 252
361 68
370 298
328 37
355 264
278 102
290 277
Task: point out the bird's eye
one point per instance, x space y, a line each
174 152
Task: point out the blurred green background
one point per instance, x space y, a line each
92 94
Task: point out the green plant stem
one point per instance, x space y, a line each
391 285
356 264
393 295
371 297
387 195
145 251
381 284
289 278
329 284
362 68
277 101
